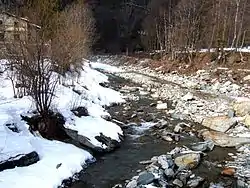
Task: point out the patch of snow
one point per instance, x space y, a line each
13 145
104 67
93 126
92 96
45 173
162 106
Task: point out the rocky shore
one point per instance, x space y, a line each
219 106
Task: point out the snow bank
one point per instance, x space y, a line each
46 172
104 67
12 145
93 126
93 96
58 161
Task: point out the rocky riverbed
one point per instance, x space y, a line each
166 143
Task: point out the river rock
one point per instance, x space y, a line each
231 113
133 116
162 160
152 168
203 146
80 111
145 178
20 160
187 161
153 104
247 121
246 78
219 123
145 162
110 143
163 122
167 138
241 184
154 159
195 182
178 182
222 139
169 172
117 186
242 108
228 172
188 97
177 129
132 184
162 106
73 134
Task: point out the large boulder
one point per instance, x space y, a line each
19 161
145 178
84 141
242 108
219 123
187 161
208 145
222 139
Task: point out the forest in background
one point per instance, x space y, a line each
169 25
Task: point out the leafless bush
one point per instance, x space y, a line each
49 51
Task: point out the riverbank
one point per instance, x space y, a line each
29 160
146 129
211 103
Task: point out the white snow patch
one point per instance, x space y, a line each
162 106
92 96
12 145
44 173
104 67
93 126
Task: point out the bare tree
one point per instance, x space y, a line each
41 58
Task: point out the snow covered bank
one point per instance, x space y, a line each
91 95
58 160
105 67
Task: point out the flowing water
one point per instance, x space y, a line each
123 163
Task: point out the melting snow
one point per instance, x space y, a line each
44 173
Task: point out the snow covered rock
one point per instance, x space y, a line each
19 161
93 132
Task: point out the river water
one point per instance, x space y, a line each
122 164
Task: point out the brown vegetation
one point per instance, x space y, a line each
187 26
57 47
